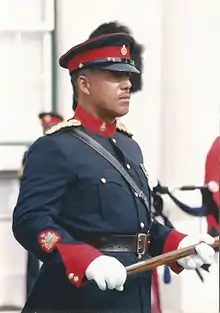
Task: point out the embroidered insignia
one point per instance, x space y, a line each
124 50
123 129
61 125
48 240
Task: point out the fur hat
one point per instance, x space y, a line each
136 55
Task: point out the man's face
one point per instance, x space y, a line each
109 92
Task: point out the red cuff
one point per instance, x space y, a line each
171 244
76 258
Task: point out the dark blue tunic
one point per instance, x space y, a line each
67 187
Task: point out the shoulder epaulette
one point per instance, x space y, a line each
123 129
20 172
62 125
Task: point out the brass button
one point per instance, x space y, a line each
142 225
71 276
76 279
103 180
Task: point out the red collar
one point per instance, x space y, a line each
94 124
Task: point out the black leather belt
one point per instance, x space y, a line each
138 244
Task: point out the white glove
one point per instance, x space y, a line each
205 253
108 272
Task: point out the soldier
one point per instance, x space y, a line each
47 120
77 213
210 191
212 174
136 85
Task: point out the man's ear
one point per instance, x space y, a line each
83 84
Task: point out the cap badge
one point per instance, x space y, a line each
124 50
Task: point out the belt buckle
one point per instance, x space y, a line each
141 244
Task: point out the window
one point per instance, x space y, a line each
26 28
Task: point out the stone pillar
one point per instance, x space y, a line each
190 99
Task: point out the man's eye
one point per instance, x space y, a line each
122 75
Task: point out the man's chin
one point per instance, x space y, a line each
122 111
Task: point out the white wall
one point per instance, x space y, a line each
190 86
176 116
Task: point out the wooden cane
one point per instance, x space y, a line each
166 258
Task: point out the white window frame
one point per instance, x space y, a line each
18 27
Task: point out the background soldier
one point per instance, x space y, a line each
210 191
210 207
212 174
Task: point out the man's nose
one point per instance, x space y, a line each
126 84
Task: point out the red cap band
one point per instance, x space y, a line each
50 120
99 53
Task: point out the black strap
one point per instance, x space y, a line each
92 143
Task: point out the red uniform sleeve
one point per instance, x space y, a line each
164 239
76 267
212 167
171 244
